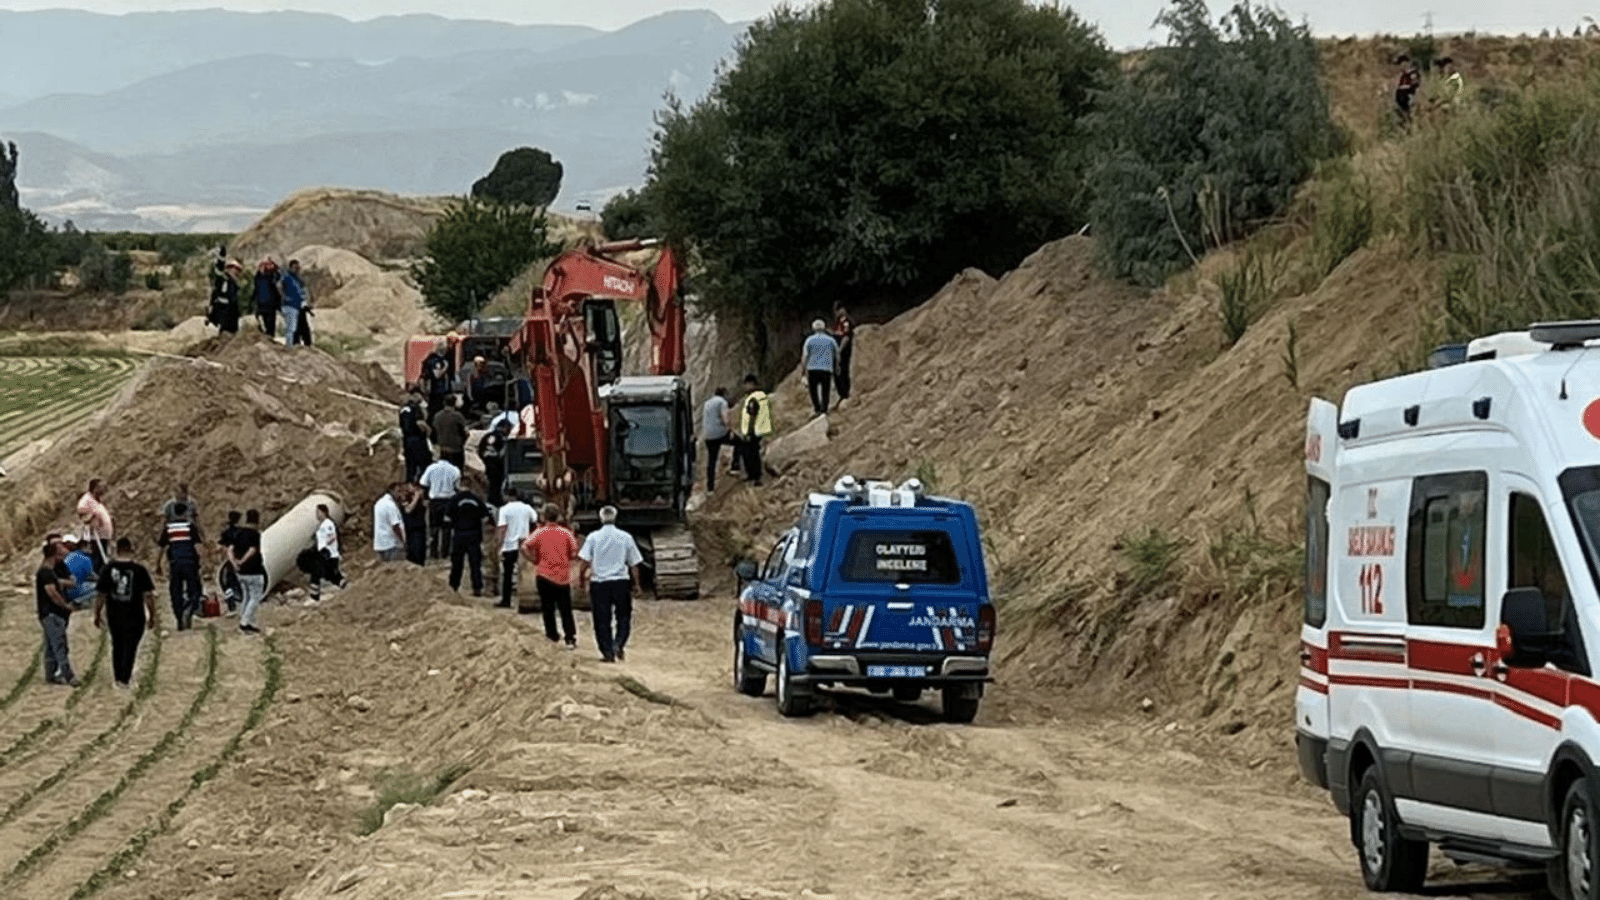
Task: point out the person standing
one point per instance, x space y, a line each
293 292
441 479
81 570
268 297
553 549
513 523
302 331
438 372
327 554
414 435
125 605
492 450
450 432
224 309
820 354
413 502
714 431
55 611
755 423
1405 90
96 518
227 575
245 554
182 497
183 559
467 515
844 332
609 568
388 527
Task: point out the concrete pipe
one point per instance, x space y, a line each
294 531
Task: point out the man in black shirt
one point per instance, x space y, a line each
467 515
227 576
126 601
414 435
438 376
245 554
54 612
492 450
179 537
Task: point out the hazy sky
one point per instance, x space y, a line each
1124 22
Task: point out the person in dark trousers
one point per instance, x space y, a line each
227 575
224 309
246 558
513 524
755 424
1406 87
413 502
327 549
492 450
450 432
183 561
609 568
820 356
414 435
552 549
125 605
442 479
714 431
267 297
467 515
438 375
55 611
293 293
844 332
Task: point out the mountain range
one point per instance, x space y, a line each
200 120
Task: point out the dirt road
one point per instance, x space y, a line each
648 780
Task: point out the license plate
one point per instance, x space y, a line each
896 671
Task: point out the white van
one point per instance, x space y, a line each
1447 687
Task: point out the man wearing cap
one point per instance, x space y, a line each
224 311
81 591
55 611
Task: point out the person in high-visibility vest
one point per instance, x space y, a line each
755 423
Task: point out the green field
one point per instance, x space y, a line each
39 394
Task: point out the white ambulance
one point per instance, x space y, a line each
1447 690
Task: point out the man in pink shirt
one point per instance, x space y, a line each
552 548
96 519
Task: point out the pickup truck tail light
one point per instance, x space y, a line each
985 627
814 622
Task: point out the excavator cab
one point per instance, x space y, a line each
652 448
604 333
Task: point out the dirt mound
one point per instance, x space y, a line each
372 224
357 298
251 425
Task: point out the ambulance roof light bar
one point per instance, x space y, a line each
1565 335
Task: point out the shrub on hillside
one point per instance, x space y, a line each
627 216
105 272
1207 137
877 147
477 249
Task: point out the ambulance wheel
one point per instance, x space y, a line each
790 705
1572 874
907 694
1389 862
747 680
960 703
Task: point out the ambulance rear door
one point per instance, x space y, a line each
1311 696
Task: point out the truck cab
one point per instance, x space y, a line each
876 587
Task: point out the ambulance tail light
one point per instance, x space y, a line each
814 622
985 627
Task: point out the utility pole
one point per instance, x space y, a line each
1427 22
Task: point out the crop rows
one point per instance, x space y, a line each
39 395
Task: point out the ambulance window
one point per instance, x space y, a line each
1533 558
1316 586
1444 550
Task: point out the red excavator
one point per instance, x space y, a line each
594 436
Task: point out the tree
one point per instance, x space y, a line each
1207 137
26 252
526 175
477 249
628 215
876 147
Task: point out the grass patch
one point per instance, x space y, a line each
645 692
1247 291
1245 560
1150 555
23 680
408 787
1346 218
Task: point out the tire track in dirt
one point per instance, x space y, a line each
41 707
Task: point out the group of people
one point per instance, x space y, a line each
1409 83
100 569
272 291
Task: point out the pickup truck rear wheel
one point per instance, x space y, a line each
747 680
960 704
789 705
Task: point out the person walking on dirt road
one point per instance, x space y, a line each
844 332
96 517
327 554
552 549
182 497
441 479
414 434
179 539
245 554
468 512
55 611
125 605
450 432
513 523
820 355
755 424
609 568
388 526
714 431
268 297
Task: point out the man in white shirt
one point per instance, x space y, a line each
441 479
327 554
513 523
609 567
388 529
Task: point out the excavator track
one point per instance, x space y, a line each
674 562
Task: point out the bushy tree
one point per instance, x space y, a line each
104 270
26 253
1207 137
876 147
477 249
526 175
628 215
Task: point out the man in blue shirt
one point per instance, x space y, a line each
609 565
294 300
78 563
821 357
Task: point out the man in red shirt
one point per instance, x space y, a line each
552 548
